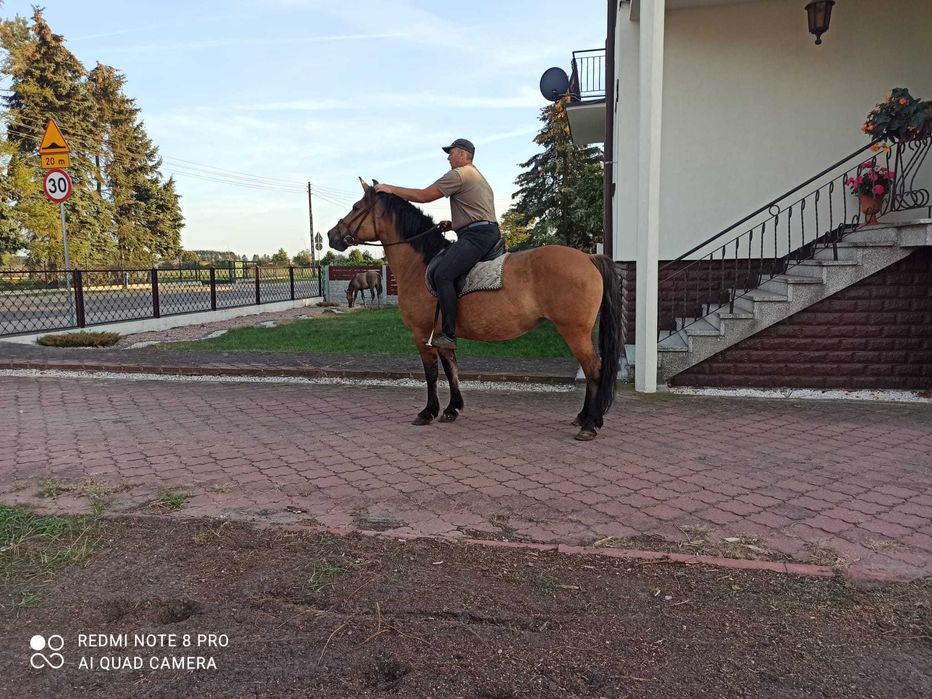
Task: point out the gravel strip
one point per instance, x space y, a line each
512 387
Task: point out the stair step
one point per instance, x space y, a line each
745 303
829 263
762 295
873 235
672 343
702 327
795 279
737 315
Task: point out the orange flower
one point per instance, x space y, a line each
902 100
887 149
875 147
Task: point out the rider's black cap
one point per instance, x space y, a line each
461 143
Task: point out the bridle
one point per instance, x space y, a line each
350 238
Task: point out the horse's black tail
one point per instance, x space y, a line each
609 331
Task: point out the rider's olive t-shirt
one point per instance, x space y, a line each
471 197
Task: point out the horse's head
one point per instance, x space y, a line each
350 297
359 225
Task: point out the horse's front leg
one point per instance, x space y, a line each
429 359
451 369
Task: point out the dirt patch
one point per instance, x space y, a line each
311 614
699 542
200 331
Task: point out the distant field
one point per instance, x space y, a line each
377 331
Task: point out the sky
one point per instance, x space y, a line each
249 101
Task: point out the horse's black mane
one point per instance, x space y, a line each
410 221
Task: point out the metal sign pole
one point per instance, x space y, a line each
64 236
310 215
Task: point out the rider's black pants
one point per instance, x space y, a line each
471 246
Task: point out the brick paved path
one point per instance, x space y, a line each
854 476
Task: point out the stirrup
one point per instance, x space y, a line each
441 341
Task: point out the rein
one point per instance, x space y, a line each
350 238
399 242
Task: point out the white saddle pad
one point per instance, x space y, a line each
485 276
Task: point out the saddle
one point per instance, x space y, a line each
486 274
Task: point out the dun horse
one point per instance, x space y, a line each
566 286
371 280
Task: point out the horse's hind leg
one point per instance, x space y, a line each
580 342
429 359
451 369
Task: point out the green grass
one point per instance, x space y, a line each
171 500
376 331
34 545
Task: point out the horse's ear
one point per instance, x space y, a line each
365 185
375 182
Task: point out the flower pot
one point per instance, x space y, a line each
870 207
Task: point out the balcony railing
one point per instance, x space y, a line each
587 79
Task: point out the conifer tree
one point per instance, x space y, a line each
148 220
554 194
48 81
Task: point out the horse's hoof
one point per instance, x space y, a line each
576 422
420 420
585 435
449 417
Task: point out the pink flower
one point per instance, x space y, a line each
890 174
859 181
872 175
878 189
866 164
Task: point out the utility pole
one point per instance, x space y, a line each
310 215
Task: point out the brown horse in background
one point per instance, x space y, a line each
371 280
566 286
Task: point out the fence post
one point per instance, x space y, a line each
321 271
78 279
213 289
258 295
156 313
291 279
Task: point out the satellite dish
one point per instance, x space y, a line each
554 83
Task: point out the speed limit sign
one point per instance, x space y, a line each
57 185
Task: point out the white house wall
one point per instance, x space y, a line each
752 107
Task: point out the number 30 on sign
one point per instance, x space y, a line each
57 185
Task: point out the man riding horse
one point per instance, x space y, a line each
472 208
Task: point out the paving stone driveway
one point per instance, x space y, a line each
854 476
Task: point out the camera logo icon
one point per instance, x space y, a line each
51 645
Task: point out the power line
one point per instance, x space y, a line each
175 170
190 169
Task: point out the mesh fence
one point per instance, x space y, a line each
36 301
33 301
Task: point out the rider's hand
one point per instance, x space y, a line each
444 226
387 188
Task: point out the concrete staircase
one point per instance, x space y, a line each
861 254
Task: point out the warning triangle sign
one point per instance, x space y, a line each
52 141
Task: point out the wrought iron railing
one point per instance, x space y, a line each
815 215
44 300
587 77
